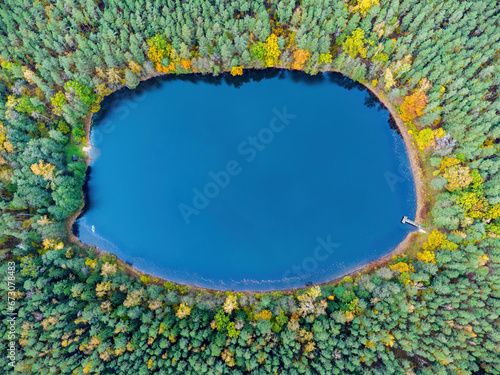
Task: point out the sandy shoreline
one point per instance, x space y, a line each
416 166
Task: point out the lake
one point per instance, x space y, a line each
271 180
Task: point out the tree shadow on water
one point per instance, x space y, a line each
126 99
132 97
371 101
344 81
251 75
86 198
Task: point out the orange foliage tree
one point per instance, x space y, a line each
237 70
413 106
186 64
300 57
160 68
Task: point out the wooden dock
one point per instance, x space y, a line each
420 228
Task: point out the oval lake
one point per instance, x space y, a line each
271 180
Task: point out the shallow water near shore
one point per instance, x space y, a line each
272 180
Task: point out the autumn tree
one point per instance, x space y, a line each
300 57
413 106
272 51
355 44
237 70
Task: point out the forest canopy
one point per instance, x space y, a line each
80 312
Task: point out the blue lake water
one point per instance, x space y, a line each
267 181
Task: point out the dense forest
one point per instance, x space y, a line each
77 313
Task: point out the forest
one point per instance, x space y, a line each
80 312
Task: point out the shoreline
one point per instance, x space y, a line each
418 178
71 219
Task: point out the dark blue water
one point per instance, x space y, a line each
268 181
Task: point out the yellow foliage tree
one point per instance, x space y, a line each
389 79
102 288
183 311
228 357
427 256
308 301
91 346
448 162
423 138
134 298
9 147
115 76
43 169
483 259
135 67
473 203
106 306
363 6
230 304
355 44
314 292
57 101
103 90
369 344
439 133
349 316
44 220
11 101
494 212
309 347
427 137
424 84
325 58
150 363
272 51
458 177
449 245
158 50
92 263
388 340
264 315
87 367
155 54
28 75
51 244
3 134
434 240
108 269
